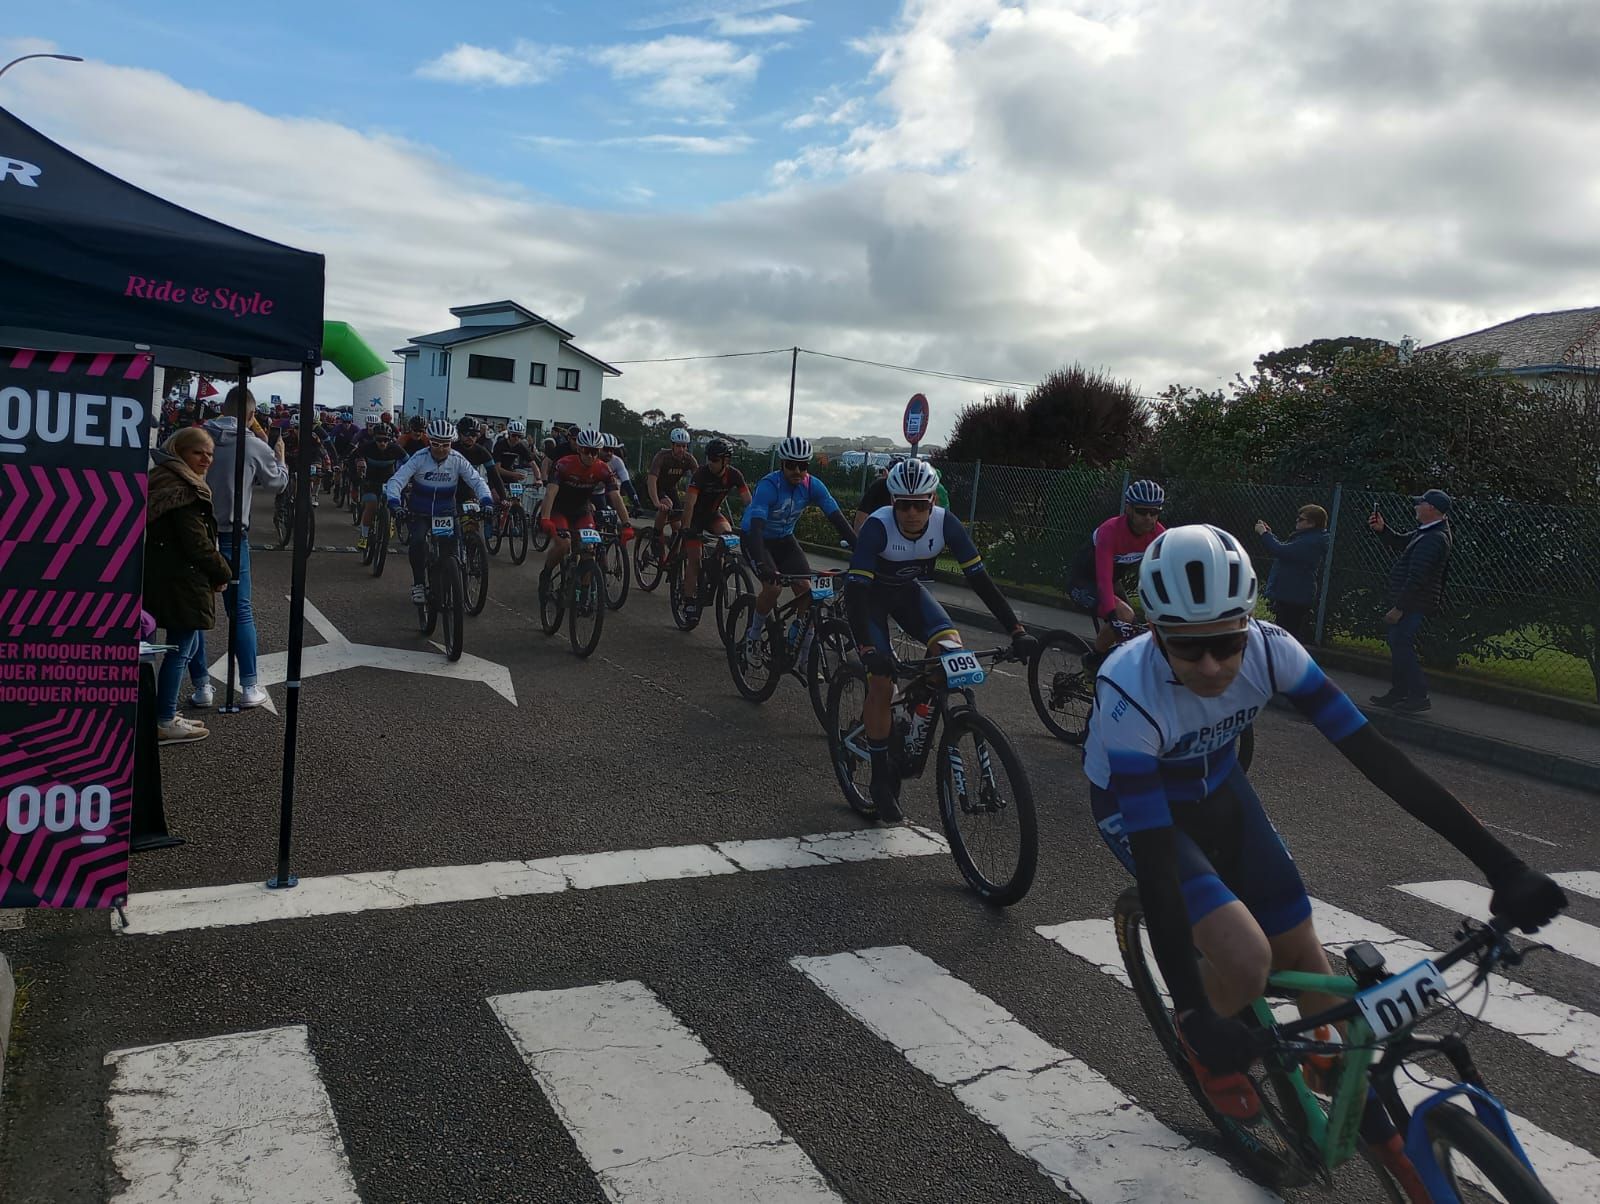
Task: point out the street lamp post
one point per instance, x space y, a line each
65 58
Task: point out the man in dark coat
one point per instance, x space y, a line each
1416 592
1292 584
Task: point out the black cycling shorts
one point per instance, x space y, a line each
785 552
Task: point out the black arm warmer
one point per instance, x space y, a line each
757 544
983 585
855 608
842 525
1166 916
1392 772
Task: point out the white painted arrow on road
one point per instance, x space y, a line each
339 654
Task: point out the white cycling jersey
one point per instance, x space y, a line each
433 482
1153 742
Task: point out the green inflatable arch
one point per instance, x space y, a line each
369 375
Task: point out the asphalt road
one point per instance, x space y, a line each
647 745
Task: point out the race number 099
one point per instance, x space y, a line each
60 808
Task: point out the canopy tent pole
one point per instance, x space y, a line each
239 534
297 627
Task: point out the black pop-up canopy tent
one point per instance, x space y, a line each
88 262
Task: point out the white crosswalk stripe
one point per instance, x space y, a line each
1563 934
655 1117
1571 1173
1079 1129
1582 882
239 1117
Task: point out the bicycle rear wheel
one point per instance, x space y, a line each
553 600
452 605
477 574
737 582
756 664
614 566
517 534
538 538
1469 1155
986 806
648 553
847 738
831 647
587 613
1062 693
493 533
283 518
1272 1145
428 612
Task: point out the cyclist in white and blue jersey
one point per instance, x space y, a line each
776 504
896 549
433 475
1172 802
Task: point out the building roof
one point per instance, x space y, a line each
465 334
495 307
1567 338
593 359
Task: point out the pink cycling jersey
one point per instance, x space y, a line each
1115 544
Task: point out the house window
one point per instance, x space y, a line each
441 363
536 374
567 378
491 367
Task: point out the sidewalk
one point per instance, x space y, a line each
1557 750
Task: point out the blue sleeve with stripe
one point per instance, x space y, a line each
820 497
1133 749
1322 702
958 542
760 501
871 540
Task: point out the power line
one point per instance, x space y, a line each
725 355
976 380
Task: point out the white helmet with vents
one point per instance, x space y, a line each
441 430
794 448
1196 574
913 478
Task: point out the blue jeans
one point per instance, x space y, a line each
171 675
240 613
1405 670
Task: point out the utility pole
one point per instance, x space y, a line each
794 362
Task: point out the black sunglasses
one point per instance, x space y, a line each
1148 511
800 465
1221 647
912 503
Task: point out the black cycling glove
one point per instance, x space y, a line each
1526 897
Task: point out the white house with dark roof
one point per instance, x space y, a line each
1543 347
503 362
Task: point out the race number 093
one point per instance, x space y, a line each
60 808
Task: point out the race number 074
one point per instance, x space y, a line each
60 808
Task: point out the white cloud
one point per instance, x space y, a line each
695 74
716 11
1167 191
733 26
466 64
827 111
687 144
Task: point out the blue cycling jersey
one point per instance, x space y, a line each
433 483
781 504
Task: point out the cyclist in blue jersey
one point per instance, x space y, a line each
433 476
1170 799
896 548
776 504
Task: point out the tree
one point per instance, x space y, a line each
1313 359
1073 417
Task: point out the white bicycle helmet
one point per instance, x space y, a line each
516 428
612 442
1196 574
441 430
794 448
680 436
588 438
913 478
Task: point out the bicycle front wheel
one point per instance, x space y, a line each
587 608
553 600
493 532
737 582
986 805
614 563
756 662
648 554
830 649
1272 1145
283 519
1469 1156
847 738
517 534
1062 692
378 541
428 612
477 575
452 607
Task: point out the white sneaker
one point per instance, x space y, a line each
204 697
179 732
419 594
253 696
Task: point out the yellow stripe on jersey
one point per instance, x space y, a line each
967 564
865 574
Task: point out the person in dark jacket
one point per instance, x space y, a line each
1292 584
183 571
1416 592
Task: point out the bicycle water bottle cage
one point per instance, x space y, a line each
1365 964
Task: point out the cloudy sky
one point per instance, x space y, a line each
988 188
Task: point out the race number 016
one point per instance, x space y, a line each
1401 1001
60 808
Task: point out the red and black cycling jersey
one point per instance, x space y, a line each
669 469
377 464
574 482
714 488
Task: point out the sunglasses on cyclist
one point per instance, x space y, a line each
588 451
1192 648
919 504
1148 511
796 465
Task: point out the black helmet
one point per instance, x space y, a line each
467 427
383 431
417 424
716 449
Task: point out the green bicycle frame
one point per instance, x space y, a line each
1335 1132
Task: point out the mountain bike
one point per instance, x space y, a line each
652 555
809 643
446 595
509 525
613 557
1457 1135
474 557
1061 677
723 579
378 540
341 487
283 514
985 798
577 592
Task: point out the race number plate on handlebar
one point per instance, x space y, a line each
1399 1002
469 507
588 536
822 588
962 669
444 524
515 489
731 542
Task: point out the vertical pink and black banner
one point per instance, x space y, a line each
74 449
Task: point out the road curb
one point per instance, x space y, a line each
1551 767
8 1001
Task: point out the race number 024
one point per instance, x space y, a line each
60 808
